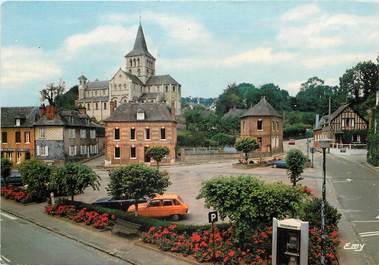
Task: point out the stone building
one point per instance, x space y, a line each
17 133
265 124
137 82
134 127
66 135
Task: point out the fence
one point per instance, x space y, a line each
349 149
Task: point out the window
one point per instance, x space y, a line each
18 122
89 106
72 150
173 88
117 133
167 202
83 150
42 132
83 133
18 137
133 153
42 150
348 123
71 133
166 89
117 152
260 125
277 125
132 134
96 106
4 137
147 134
105 105
273 126
154 203
93 134
163 133
27 137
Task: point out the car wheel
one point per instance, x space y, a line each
175 217
274 166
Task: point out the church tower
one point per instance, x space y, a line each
139 61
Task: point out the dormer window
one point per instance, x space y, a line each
140 115
18 122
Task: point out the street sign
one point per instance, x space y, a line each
212 217
312 150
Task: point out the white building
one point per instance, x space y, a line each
137 83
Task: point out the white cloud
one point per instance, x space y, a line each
300 12
258 55
293 87
20 65
104 34
322 61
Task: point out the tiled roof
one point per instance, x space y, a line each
161 80
67 118
140 47
98 98
98 84
153 112
134 78
28 115
234 112
262 108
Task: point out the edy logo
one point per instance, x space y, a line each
355 247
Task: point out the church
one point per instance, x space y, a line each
137 83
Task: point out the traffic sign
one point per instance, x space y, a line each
212 217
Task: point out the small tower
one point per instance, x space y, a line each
82 86
139 61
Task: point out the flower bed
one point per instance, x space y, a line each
227 251
82 215
15 193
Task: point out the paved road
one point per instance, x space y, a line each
356 188
25 243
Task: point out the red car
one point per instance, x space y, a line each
291 142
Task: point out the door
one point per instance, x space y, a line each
27 156
153 209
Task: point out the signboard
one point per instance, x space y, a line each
212 217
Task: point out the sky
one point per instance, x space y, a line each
203 45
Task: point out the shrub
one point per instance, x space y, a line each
246 145
295 160
247 201
312 213
6 166
157 153
36 175
223 139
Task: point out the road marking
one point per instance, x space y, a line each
355 247
367 234
343 181
377 217
8 216
351 211
374 221
7 260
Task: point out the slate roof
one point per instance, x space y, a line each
98 84
262 108
134 78
28 115
98 98
67 118
153 112
234 112
161 80
140 47
151 95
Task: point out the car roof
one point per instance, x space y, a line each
166 196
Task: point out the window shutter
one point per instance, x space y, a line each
38 151
46 150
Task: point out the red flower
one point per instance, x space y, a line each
258 258
231 253
334 234
195 237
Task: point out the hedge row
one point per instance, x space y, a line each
144 222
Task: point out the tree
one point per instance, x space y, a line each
135 182
157 153
6 166
246 145
52 91
248 202
36 176
295 160
74 178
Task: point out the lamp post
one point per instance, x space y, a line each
324 144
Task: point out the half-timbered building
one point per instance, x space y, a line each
344 126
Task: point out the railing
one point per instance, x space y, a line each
349 146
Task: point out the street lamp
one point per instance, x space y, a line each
324 144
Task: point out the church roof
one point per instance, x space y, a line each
153 112
262 108
140 47
134 78
161 80
98 84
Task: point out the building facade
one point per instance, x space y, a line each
138 82
345 126
134 127
62 136
17 133
263 123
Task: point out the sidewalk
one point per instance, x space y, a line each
125 249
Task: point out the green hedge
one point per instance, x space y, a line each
373 148
144 222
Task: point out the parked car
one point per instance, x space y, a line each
291 142
167 205
280 164
119 204
14 179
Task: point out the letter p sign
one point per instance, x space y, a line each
212 217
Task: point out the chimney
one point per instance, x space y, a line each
317 121
42 110
82 110
51 112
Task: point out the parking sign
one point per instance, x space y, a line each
212 217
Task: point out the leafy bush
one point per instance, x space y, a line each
6 166
247 201
157 153
373 148
312 213
36 175
246 145
295 160
223 139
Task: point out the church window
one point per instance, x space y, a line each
105 105
138 64
173 88
130 63
96 106
134 62
139 71
166 89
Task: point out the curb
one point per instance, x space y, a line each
70 237
146 246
